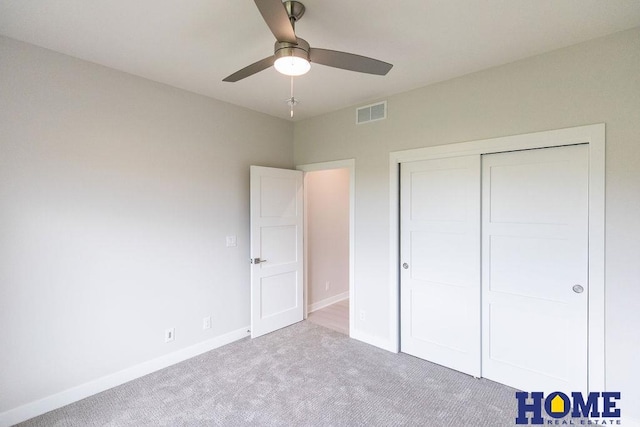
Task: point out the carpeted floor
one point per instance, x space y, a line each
303 375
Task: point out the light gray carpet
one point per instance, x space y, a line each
303 375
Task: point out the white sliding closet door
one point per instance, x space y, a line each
440 256
535 268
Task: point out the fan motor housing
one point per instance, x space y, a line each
300 50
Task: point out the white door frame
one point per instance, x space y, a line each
594 135
349 164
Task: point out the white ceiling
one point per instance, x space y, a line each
194 44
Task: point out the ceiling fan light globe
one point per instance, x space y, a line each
292 65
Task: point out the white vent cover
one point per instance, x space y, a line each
371 113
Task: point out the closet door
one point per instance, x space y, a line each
440 261
535 268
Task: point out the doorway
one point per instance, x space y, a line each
328 244
593 139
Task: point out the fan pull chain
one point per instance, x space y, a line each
292 98
291 101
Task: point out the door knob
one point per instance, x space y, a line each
578 289
257 261
405 265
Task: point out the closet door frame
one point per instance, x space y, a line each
594 136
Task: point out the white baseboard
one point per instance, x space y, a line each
328 301
383 343
55 401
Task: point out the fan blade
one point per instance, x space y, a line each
256 67
276 16
349 61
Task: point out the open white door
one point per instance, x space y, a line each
440 252
276 249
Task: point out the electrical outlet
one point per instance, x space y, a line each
326 285
206 322
169 334
363 315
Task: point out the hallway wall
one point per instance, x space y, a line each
327 193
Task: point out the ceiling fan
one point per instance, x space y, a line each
292 55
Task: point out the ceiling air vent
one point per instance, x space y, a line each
371 113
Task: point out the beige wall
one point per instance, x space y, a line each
593 82
116 195
327 203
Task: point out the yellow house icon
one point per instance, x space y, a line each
557 404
